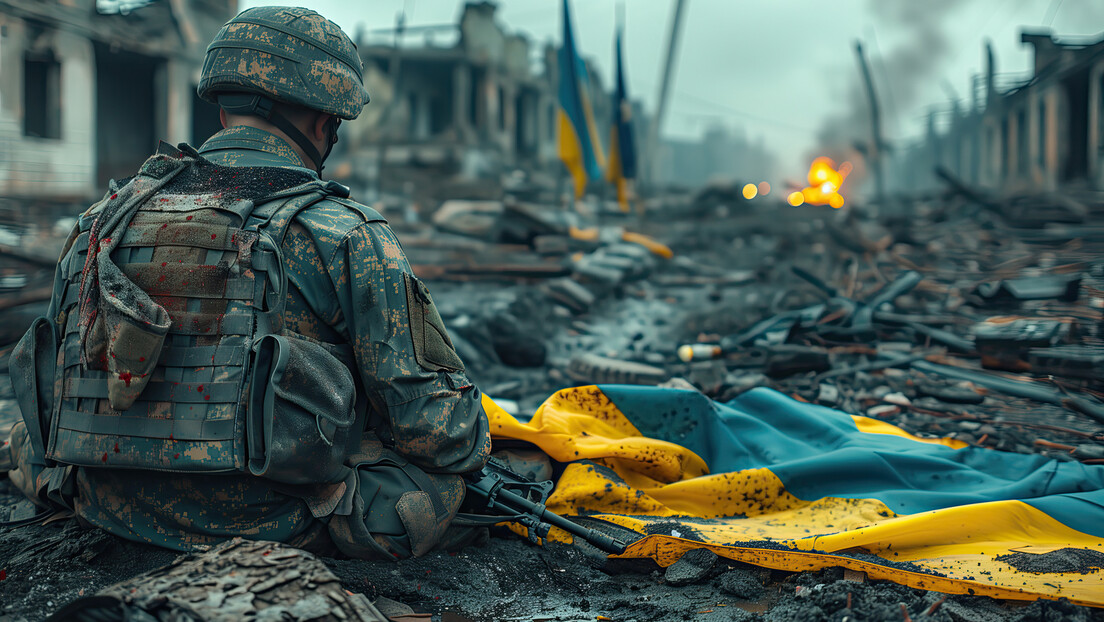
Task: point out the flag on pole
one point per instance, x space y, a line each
622 159
579 147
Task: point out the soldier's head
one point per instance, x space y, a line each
288 69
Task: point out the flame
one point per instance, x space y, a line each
825 181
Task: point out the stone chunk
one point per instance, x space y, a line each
741 584
693 567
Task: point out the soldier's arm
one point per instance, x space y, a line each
427 407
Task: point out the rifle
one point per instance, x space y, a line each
514 498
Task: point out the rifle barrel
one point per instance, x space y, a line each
597 538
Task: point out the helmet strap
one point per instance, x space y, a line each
263 107
331 137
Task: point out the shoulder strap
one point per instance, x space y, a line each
369 214
278 211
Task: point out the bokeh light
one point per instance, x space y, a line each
795 199
750 191
824 184
764 188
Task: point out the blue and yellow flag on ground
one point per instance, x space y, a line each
579 147
622 160
782 484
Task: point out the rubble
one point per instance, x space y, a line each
693 567
882 317
232 581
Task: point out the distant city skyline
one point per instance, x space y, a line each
780 71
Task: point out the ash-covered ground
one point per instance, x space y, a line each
507 578
605 313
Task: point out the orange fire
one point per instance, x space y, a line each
824 184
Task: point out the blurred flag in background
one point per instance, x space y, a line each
622 160
579 147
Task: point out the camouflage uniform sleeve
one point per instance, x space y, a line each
430 412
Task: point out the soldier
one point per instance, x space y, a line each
236 348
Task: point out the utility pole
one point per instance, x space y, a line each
876 126
664 90
990 71
394 66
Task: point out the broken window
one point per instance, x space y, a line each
1100 117
1004 150
1021 141
1042 134
41 96
440 111
205 119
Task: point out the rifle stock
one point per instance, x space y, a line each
510 497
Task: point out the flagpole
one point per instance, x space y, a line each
664 89
619 17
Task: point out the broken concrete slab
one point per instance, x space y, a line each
693 567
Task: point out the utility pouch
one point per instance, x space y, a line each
302 410
32 367
398 510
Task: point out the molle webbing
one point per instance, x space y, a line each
206 249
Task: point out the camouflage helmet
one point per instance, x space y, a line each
291 55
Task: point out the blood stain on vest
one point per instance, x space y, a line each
116 447
125 376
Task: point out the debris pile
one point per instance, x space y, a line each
960 315
953 318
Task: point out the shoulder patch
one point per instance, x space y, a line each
432 347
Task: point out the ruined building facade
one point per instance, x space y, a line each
88 87
480 104
1040 133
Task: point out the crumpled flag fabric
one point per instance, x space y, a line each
768 480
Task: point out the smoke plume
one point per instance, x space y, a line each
900 74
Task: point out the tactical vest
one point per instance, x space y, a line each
227 389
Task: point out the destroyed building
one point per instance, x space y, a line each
1027 134
474 107
467 102
88 87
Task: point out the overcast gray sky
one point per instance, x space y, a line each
778 69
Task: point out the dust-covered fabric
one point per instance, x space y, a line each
347 278
767 480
